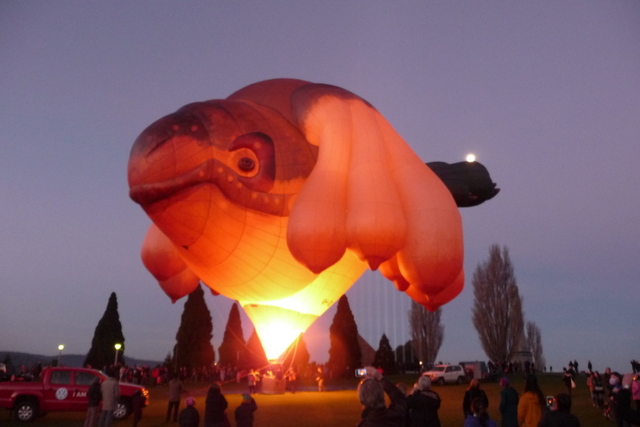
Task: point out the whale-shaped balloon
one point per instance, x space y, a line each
281 195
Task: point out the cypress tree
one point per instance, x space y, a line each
344 352
255 356
385 358
193 347
232 348
108 333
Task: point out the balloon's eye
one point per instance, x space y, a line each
246 164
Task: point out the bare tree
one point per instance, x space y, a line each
497 307
534 342
427 333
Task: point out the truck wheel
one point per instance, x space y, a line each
123 409
441 380
460 380
25 410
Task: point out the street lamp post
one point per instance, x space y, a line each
118 347
60 348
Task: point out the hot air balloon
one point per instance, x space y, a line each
281 195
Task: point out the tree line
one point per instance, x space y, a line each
497 315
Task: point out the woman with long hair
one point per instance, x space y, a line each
531 403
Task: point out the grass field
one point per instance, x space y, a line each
337 407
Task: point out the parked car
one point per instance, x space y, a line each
61 389
442 374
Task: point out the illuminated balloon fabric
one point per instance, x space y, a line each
280 196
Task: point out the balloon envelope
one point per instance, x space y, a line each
282 195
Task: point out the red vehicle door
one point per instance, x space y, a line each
58 390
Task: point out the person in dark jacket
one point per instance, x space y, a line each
189 416
474 391
508 404
244 411
216 404
423 405
561 416
371 393
137 403
94 395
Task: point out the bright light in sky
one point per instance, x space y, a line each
471 157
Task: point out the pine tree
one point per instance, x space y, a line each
232 348
108 333
255 357
385 358
345 355
193 347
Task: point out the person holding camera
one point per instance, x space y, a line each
560 415
371 391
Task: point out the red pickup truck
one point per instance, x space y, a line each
60 389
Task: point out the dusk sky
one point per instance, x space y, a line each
545 93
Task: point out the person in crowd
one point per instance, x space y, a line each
137 403
94 396
252 380
567 379
508 404
479 416
620 399
560 415
292 379
189 416
216 404
423 404
474 391
598 390
320 380
531 403
244 411
110 390
371 391
635 391
175 394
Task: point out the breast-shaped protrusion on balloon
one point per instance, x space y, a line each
316 234
376 225
349 200
434 301
432 257
163 261
395 205
391 271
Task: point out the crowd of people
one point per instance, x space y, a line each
531 408
612 393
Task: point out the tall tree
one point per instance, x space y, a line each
108 333
193 347
255 358
405 357
534 342
497 306
427 334
385 358
232 348
344 352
